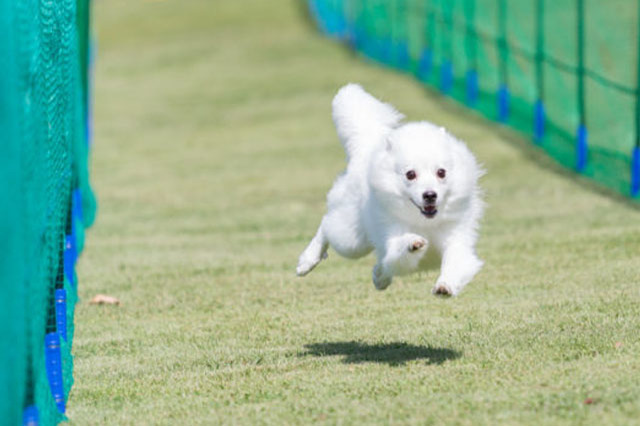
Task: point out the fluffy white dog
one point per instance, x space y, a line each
407 187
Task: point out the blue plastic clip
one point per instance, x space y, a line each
69 257
446 77
635 171
503 103
61 311
53 363
582 148
30 416
472 87
538 121
425 63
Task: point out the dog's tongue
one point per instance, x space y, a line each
430 208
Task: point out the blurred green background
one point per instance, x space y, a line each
564 73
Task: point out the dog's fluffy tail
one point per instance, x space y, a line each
360 119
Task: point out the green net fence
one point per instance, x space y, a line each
46 201
563 72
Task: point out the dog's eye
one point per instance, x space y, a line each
441 173
411 174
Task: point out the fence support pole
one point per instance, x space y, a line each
503 91
472 57
446 70
426 58
539 113
401 42
581 134
635 156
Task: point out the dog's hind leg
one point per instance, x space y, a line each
313 254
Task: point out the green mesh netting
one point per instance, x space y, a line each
45 199
563 72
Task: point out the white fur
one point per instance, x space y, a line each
374 206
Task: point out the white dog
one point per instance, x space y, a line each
407 187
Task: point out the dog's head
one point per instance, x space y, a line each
427 169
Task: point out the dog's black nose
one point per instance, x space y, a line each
429 196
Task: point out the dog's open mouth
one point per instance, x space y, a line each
427 210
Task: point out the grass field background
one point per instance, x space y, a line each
213 152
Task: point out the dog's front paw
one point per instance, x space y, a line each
443 290
380 280
417 244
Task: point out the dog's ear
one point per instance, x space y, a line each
388 144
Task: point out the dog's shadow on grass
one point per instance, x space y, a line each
394 354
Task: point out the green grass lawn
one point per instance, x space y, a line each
214 150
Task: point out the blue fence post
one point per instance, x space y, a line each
446 76
635 155
350 24
30 416
472 87
501 44
53 365
635 171
402 55
538 121
471 53
425 63
582 146
539 113
61 312
385 50
503 91
446 68
69 258
503 103
401 46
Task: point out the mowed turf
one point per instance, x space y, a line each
213 153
